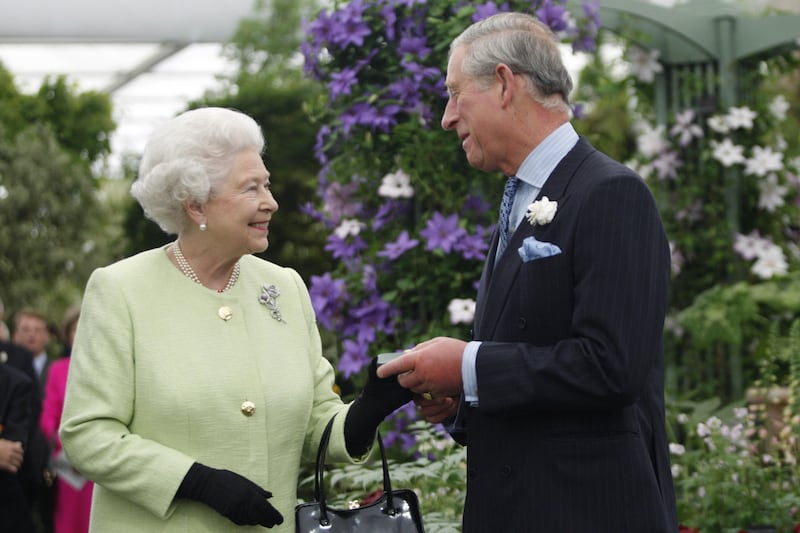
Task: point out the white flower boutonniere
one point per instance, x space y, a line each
541 212
269 297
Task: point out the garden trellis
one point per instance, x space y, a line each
707 51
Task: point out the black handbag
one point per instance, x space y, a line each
396 511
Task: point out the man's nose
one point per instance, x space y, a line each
449 117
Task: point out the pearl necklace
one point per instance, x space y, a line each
189 272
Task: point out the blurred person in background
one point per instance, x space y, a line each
16 418
72 498
32 332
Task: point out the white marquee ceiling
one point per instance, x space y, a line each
152 55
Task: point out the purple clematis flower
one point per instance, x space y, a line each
484 11
342 82
413 46
406 90
354 357
555 16
472 246
442 232
395 249
350 27
476 204
389 20
339 200
327 296
344 248
369 317
323 134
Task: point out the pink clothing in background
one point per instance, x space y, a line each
71 511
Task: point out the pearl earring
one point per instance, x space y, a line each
203 226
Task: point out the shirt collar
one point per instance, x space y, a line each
542 160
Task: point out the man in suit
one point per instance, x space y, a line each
32 332
16 419
559 397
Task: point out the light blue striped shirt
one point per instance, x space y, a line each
533 173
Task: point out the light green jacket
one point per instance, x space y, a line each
157 381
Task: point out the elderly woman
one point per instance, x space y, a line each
197 383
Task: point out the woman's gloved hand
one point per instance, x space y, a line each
378 399
233 496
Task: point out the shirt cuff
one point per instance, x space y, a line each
468 373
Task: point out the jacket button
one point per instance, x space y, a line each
506 471
522 322
248 408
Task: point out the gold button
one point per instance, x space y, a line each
248 408
225 313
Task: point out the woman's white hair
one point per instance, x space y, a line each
187 158
527 46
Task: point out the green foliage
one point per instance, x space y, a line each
606 121
81 121
48 202
746 317
52 220
736 466
266 43
727 479
14 103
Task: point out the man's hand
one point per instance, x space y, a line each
11 453
437 410
431 369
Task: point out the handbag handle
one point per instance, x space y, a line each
319 485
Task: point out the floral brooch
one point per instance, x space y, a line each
541 212
269 297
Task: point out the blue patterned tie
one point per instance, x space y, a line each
505 211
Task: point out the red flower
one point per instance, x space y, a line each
687 529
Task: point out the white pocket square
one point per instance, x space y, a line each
532 249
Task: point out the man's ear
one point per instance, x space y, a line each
506 80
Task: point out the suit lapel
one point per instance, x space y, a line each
497 280
486 275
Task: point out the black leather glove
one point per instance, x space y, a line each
233 496
378 399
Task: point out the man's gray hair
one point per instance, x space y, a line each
527 46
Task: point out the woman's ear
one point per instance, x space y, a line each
195 211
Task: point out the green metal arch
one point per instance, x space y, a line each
690 32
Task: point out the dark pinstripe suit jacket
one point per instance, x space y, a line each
569 435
